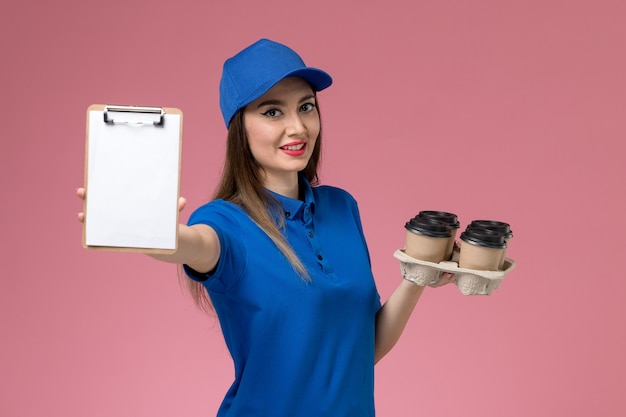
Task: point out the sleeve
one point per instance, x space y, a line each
351 206
233 254
357 218
354 207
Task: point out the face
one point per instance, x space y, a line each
282 127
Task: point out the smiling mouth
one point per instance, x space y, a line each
293 147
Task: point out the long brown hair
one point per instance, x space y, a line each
241 184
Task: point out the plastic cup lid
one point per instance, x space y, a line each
484 237
498 226
443 216
428 227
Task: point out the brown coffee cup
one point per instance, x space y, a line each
451 219
481 249
427 239
497 226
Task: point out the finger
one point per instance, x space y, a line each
81 217
445 278
80 192
448 278
182 202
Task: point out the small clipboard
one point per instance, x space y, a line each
132 178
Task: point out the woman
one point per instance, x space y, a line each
283 261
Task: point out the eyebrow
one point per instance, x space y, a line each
273 102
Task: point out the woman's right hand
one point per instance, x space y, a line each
198 245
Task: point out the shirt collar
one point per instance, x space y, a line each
295 209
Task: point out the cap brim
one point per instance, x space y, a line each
318 79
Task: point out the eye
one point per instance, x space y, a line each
307 107
272 113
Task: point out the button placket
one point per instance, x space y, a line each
309 225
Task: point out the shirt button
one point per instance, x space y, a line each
320 257
287 214
310 234
307 211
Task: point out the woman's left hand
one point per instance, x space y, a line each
445 278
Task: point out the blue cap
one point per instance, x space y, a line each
256 69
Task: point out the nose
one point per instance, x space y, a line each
294 125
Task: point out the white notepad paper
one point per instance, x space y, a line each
132 181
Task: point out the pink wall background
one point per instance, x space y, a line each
505 110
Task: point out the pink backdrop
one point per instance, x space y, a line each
505 110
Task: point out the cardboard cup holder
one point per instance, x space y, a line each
469 281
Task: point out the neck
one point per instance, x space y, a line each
286 185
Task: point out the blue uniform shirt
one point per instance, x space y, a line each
299 348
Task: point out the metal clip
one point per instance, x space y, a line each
134 109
